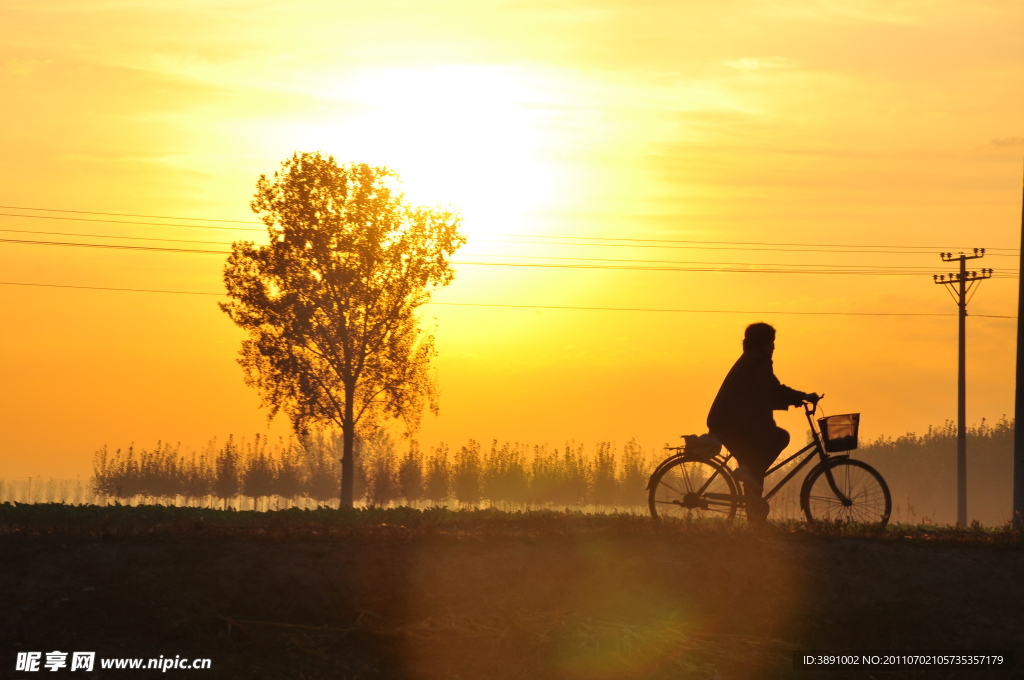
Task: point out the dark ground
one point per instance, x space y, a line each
550 597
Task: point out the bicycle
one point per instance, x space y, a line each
837 489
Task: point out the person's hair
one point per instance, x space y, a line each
758 335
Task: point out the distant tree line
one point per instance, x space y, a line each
508 476
43 490
921 472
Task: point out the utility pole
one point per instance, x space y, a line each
960 284
1018 407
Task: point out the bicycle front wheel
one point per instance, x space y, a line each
864 494
693 489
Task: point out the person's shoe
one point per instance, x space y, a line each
761 509
742 474
757 511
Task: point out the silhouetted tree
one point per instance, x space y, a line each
635 473
330 304
438 482
466 474
504 478
379 468
198 478
603 479
320 468
288 479
410 474
227 469
258 473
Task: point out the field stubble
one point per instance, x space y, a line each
400 593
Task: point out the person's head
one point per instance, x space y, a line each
759 336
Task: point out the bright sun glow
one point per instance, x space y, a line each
470 136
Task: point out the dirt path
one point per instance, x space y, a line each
705 605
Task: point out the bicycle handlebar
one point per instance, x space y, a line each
811 406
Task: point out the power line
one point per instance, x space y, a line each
745 268
547 257
639 243
130 238
115 246
760 264
129 290
571 307
528 257
743 243
738 267
810 248
822 249
716 311
159 217
152 224
620 241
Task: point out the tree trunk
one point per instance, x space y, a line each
348 468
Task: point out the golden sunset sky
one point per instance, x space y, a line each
643 147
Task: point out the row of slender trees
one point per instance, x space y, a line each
507 475
921 471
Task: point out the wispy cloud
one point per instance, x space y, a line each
875 11
1005 142
760 63
22 68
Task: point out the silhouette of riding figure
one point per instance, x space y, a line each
741 415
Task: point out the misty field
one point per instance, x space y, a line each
403 593
261 474
498 561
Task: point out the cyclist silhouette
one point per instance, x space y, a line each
741 415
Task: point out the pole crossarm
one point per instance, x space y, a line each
963 275
967 277
948 257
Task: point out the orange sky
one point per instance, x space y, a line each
833 122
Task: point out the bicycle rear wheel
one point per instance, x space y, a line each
867 495
693 489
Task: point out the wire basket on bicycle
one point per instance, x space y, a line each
839 433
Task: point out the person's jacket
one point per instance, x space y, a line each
749 394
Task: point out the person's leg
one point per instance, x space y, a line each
767 445
764 447
746 449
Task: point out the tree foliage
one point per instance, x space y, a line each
330 305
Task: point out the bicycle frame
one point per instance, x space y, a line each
813 447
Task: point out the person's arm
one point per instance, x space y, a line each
796 397
778 395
